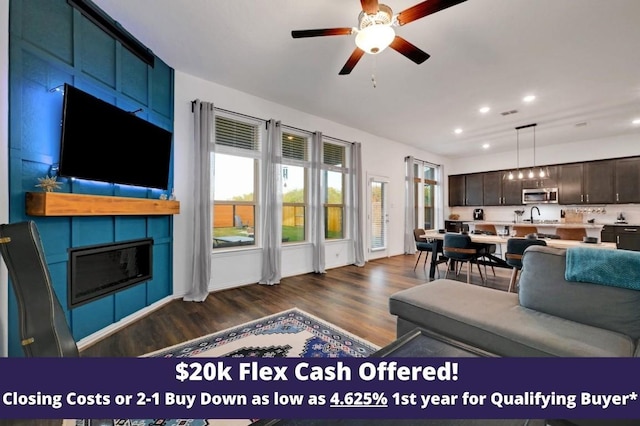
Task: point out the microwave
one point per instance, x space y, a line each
540 196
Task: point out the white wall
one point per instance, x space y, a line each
380 157
4 161
595 149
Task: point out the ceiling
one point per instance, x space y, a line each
581 59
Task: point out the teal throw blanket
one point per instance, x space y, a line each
619 268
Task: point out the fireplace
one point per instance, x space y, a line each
99 270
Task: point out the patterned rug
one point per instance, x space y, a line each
292 333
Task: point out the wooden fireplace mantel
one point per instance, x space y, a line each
66 204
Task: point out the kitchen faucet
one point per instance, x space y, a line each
534 207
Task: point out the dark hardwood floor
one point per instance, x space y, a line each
350 297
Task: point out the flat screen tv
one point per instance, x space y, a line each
105 143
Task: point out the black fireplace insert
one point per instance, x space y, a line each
99 270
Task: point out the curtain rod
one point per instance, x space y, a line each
232 112
423 161
261 119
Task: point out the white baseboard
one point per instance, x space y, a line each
107 331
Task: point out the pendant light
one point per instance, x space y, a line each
511 175
542 173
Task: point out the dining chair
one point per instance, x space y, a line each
422 246
488 248
459 248
513 256
571 233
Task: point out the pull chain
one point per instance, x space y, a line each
373 73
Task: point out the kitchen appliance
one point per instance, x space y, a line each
621 219
540 196
478 214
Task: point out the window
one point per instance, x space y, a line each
334 176
236 165
295 167
425 187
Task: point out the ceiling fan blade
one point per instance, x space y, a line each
321 32
369 6
352 61
423 9
409 50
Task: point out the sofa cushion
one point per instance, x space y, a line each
542 287
492 320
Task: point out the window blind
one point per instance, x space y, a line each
295 147
237 134
333 155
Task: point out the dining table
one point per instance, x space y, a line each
436 238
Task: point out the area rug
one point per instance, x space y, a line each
293 333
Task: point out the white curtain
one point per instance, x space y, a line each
355 169
204 143
317 204
272 205
409 207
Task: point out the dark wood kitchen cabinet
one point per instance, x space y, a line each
591 182
627 180
492 188
570 184
500 191
511 192
456 190
626 237
473 189
598 179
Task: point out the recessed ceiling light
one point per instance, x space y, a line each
484 109
636 121
486 145
529 98
457 131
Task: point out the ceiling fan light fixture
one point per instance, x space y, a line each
375 38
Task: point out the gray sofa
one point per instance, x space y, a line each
549 316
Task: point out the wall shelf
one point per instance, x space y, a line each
66 204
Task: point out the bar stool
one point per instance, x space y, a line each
571 233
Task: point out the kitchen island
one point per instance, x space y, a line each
538 223
545 227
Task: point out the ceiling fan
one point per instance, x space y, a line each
375 30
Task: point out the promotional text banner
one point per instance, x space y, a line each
347 388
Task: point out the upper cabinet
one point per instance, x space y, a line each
592 182
511 192
492 188
570 184
456 190
587 183
484 189
627 180
599 182
474 189
499 191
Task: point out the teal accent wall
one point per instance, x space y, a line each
51 43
